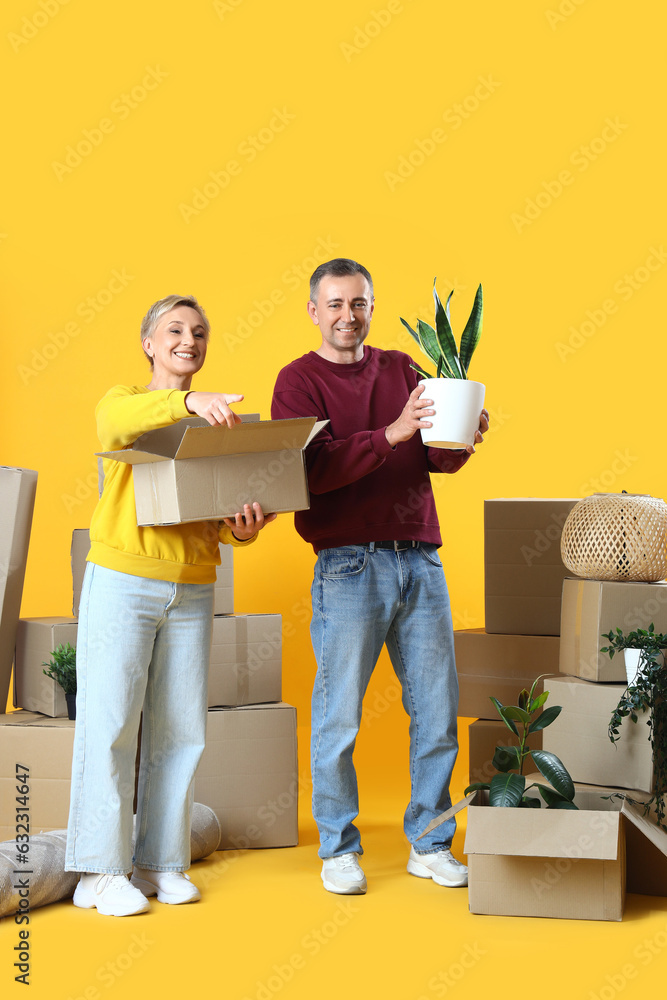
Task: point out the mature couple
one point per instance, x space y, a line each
378 579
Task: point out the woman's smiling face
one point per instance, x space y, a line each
178 343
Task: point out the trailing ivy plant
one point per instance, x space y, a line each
438 342
647 693
62 667
508 786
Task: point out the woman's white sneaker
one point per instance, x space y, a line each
441 866
170 887
112 895
343 875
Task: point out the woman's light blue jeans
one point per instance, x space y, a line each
142 644
364 597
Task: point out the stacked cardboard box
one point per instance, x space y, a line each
250 760
571 864
523 574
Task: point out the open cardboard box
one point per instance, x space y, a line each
191 471
557 862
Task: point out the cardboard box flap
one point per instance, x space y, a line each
634 813
194 437
546 833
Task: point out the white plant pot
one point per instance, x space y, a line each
457 404
632 663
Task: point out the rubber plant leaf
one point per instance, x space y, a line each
516 713
506 759
554 771
506 790
545 719
446 337
472 332
508 722
475 786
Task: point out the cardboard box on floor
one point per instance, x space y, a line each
552 862
43 747
523 569
36 638
191 471
17 501
646 843
248 775
484 736
246 660
579 736
223 601
593 607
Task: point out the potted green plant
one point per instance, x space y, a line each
508 786
647 692
62 668
457 400
640 647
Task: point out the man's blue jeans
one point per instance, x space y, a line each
362 598
141 644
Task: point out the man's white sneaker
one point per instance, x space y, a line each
170 887
113 895
441 866
343 875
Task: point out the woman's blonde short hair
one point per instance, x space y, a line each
162 306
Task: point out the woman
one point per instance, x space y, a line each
143 642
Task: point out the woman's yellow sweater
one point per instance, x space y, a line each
179 553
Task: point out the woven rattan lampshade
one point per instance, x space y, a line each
616 536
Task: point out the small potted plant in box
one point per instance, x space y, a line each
646 692
457 401
508 786
640 648
62 668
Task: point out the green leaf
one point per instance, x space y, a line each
516 713
445 337
475 786
508 722
421 371
410 330
523 700
539 701
554 771
528 802
472 331
506 790
506 758
545 719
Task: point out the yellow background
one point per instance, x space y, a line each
531 141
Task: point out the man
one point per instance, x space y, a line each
378 577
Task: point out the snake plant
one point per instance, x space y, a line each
438 343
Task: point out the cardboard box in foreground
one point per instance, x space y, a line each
246 660
593 607
36 638
523 569
191 471
249 776
17 501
